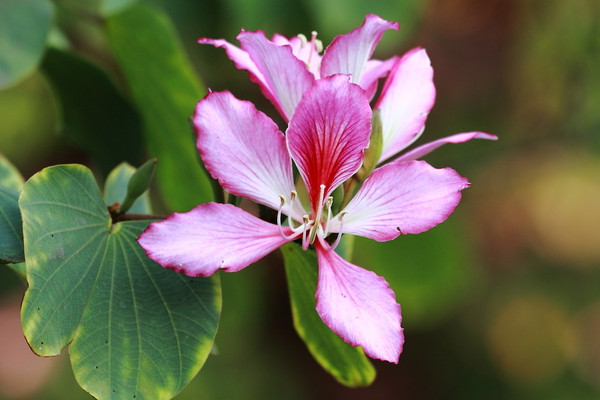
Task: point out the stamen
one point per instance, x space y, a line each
302 39
283 235
318 45
293 196
305 243
339 236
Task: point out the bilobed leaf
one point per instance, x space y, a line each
166 91
11 244
24 26
95 114
347 364
135 329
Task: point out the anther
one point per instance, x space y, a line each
316 43
302 39
279 212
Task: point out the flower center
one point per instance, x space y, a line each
312 227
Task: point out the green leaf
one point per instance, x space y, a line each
115 189
11 245
24 26
165 90
136 330
109 7
95 114
348 365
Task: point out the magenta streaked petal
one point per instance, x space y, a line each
328 133
284 77
374 70
406 197
210 237
406 99
243 149
427 148
359 306
348 54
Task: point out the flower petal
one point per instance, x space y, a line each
427 148
304 50
406 99
243 149
348 54
284 77
407 197
210 237
359 306
328 134
374 70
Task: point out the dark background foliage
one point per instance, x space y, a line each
500 302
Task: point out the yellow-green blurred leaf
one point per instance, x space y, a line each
166 91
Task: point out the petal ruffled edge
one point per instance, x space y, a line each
348 54
359 306
210 237
427 148
406 99
402 198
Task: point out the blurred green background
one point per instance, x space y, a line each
502 301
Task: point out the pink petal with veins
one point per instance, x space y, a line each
243 149
359 306
210 237
348 54
408 197
406 99
285 77
328 134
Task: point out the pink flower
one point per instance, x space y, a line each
285 68
329 129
